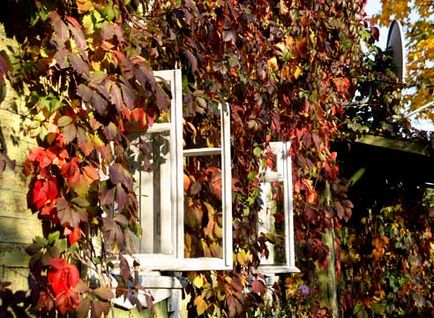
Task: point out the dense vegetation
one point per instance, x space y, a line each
83 71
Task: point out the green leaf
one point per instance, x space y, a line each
257 151
355 177
81 202
378 308
52 237
61 244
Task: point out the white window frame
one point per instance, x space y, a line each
176 261
282 173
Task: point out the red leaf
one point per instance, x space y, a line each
4 65
45 301
70 169
74 235
44 192
66 301
139 116
258 287
42 156
91 172
62 276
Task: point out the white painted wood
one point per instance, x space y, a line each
282 173
161 193
197 152
227 187
159 127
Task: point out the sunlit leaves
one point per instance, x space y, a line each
274 65
70 214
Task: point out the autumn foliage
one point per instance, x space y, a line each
285 67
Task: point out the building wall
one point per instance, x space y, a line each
17 224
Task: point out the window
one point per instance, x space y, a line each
276 216
159 185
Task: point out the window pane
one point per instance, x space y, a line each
272 222
203 130
153 187
203 207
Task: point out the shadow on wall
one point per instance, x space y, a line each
18 226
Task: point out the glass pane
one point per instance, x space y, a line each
271 223
153 187
203 130
203 207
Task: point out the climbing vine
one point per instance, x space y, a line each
285 68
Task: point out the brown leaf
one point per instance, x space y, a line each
111 131
69 133
104 293
116 97
192 61
76 32
99 308
85 143
83 308
128 94
339 209
61 32
68 215
98 102
195 188
78 64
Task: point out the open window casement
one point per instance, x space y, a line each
159 185
275 220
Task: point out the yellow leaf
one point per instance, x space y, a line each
289 41
297 72
84 5
280 46
312 37
272 64
198 281
96 65
201 305
285 73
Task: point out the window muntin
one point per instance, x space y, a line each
275 219
160 189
